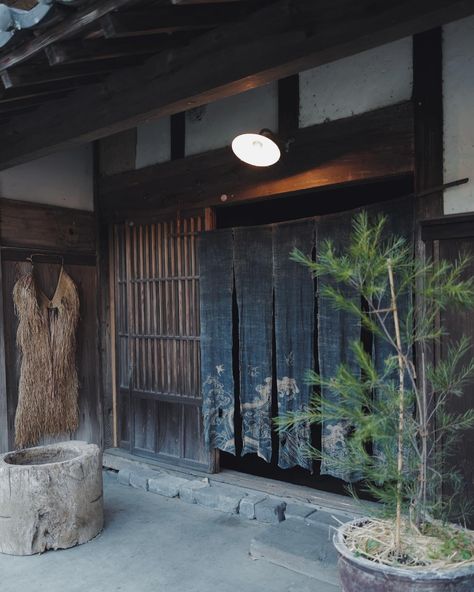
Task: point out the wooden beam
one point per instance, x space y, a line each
4 427
169 19
453 227
195 2
20 104
372 145
288 106
178 135
298 34
74 24
29 75
47 228
428 101
47 88
90 50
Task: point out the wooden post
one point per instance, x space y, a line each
113 338
428 113
178 135
4 431
288 106
214 454
428 103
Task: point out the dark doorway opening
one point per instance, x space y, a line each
281 209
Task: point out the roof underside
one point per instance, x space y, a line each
48 48
91 68
20 15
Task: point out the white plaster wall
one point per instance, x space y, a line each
458 91
216 125
363 82
62 179
153 142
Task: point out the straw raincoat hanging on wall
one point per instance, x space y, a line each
46 338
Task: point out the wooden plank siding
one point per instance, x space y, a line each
27 225
447 238
157 339
55 233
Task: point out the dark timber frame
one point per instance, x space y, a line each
320 155
299 34
230 55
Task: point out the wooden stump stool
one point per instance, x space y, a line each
50 497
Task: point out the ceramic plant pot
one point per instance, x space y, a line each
358 574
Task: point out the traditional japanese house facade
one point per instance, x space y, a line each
116 120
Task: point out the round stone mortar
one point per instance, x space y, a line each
50 497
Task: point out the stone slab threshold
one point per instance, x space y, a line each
300 520
117 459
301 546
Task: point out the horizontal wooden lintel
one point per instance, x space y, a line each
359 148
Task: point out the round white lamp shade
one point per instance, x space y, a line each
256 149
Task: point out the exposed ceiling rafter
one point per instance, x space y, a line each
71 25
282 39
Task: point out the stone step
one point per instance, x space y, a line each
301 547
231 499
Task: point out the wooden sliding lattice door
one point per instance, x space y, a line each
157 340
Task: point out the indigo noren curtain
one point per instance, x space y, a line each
254 291
217 380
270 288
337 330
294 335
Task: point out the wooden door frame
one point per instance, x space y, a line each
213 464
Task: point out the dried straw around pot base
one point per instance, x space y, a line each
375 540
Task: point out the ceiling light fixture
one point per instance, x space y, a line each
260 150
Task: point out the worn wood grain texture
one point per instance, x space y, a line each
90 410
4 423
66 28
35 226
458 324
288 106
54 233
376 144
157 339
118 153
108 337
169 19
298 34
428 108
428 127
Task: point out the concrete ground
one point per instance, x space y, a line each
153 543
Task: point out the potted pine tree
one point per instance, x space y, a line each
401 432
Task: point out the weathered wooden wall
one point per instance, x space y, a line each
448 238
54 233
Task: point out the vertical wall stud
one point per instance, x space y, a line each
428 103
288 105
4 431
178 135
428 109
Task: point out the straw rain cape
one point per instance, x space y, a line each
48 388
